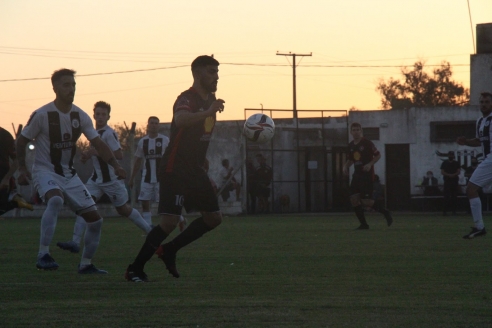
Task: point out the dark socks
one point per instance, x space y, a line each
359 212
154 239
195 230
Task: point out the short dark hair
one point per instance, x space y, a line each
56 76
225 161
202 61
104 105
355 125
486 94
153 118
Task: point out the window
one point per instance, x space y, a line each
450 130
371 133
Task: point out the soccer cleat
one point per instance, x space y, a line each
22 203
69 246
134 275
46 262
90 269
475 233
389 219
169 260
182 223
363 227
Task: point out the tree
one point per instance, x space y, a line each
419 89
123 134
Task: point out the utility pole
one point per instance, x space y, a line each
294 74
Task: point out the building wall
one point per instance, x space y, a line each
412 126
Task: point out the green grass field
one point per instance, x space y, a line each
270 271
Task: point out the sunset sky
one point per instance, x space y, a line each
158 39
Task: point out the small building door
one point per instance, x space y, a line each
398 176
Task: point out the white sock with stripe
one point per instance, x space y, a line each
91 241
476 211
48 224
147 216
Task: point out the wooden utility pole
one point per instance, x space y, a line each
294 75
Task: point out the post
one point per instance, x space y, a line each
131 146
294 106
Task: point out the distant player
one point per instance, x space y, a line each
8 198
363 155
104 180
183 180
482 176
55 129
150 150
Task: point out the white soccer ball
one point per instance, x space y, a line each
259 128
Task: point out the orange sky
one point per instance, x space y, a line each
38 37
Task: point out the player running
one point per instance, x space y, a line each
183 180
482 176
55 129
104 179
363 155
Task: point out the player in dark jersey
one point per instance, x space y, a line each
363 155
183 180
8 198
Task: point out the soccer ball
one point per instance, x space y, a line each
259 128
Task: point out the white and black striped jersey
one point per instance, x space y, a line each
484 134
55 135
151 149
103 172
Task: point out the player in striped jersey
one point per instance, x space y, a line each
104 180
482 176
149 151
55 129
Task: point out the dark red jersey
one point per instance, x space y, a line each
361 154
7 150
188 146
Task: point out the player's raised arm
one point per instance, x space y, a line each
184 119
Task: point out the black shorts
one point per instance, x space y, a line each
193 192
362 184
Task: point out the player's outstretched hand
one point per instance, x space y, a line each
120 173
461 141
217 106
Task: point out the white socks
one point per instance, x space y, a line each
139 221
476 211
78 229
91 241
48 224
147 216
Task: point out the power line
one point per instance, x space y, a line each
94 74
232 64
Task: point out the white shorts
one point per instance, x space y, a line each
149 191
115 190
482 176
74 192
